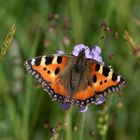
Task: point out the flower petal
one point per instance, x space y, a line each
78 48
97 49
65 105
60 52
95 52
84 109
100 100
87 53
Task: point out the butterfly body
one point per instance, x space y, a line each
77 75
74 79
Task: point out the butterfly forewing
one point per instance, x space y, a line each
46 69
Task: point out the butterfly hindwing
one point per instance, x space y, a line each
105 80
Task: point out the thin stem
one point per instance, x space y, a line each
82 126
68 124
26 110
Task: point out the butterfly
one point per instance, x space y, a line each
74 79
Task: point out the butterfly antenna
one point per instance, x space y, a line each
72 35
102 37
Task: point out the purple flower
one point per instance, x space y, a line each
100 100
83 109
94 53
60 52
65 105
78 48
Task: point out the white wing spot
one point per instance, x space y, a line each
110 74
43 60
118 78
33 61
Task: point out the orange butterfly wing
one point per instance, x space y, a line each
85 97
104 81
46 70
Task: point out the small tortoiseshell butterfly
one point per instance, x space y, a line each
74 79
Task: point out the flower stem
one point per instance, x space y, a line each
68 124
82 125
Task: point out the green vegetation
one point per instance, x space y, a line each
26 112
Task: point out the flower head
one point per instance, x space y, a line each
78 48
93 53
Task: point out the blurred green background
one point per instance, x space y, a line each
26 112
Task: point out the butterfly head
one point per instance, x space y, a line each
82 52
